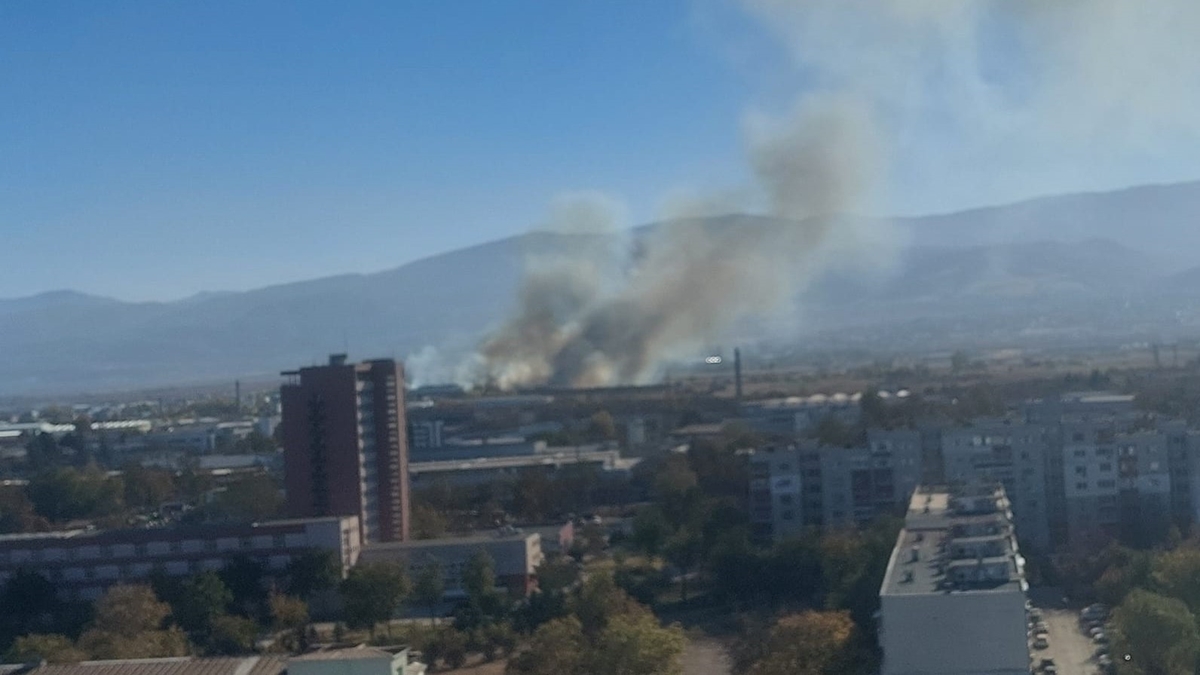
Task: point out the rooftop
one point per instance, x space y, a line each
922 562
254 665
516 535
351 653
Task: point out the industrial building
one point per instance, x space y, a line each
346 445
953 598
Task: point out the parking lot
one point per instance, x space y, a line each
1072 651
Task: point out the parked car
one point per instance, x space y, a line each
1100 639
1041 629
1041 642
1047 666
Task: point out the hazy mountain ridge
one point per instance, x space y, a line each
65 340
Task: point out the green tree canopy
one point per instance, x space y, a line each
49 647
429 587
313 571
1158 633
66 493
556 648
811 643
479 576
372 593
635 644
129 625
202 598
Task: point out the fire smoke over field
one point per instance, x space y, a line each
691 281
1019 91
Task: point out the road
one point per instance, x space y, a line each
1072 651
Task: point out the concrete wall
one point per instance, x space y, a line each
966 633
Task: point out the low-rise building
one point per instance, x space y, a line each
83 563
515 555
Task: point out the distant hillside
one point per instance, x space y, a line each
1162 220
1097 249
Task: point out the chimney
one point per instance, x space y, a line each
737 373
337 359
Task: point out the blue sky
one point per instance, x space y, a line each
151 150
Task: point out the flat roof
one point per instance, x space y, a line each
180 530
467 540
919 563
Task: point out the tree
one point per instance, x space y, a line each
202 598
372 593
812 643
599 601
557 573
427 522
250 499
290 615
48 647
429 587
313 571
129 625
1158 633
244 577
602 426
650 530
288 612
231 635
28 604
498 640
66 493
1177 573
638 645
147 488
17 513
685 549
479 576
556 648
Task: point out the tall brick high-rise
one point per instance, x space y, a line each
345 446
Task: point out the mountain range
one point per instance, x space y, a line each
1137 246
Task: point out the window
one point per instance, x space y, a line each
210 544
1106 466
175 546
246 542
785 500
278 541
1081 486
787 515
1106 484
1081 471
1081 453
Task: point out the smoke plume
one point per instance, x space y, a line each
692 280
1000 98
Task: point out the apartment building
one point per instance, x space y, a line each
1010 453
515 555
345 445
953 598
83 563
813 485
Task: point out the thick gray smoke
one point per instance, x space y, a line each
1004 96
692 280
